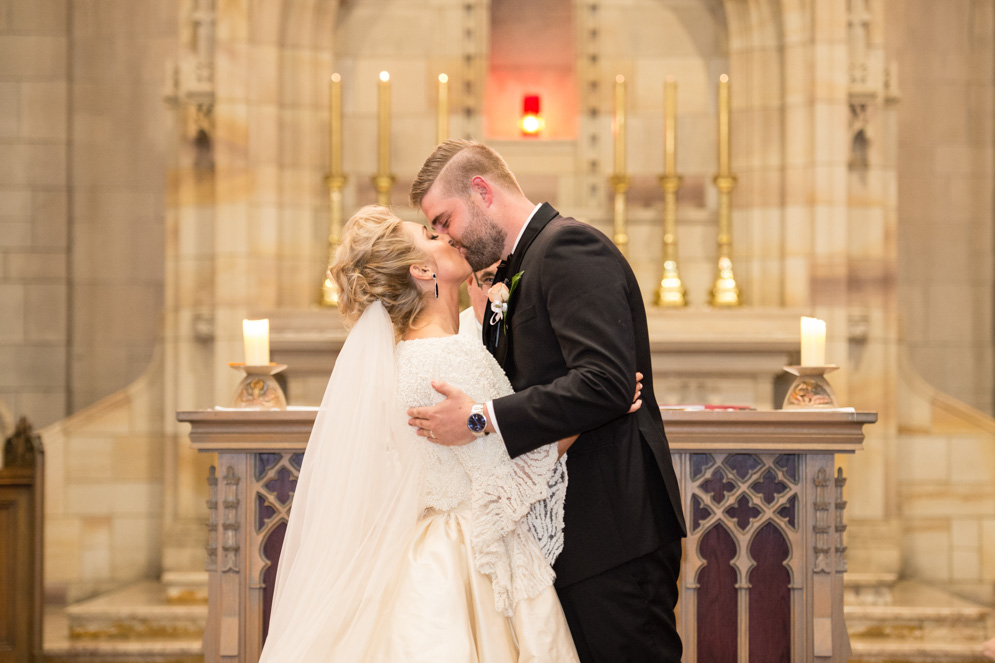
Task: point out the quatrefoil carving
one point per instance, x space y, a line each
717 486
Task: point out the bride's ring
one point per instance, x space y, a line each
431 434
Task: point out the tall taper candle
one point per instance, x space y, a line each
618 125
383 163
670 127
724 124
335 125
442 125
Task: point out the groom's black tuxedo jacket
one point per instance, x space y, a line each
576 335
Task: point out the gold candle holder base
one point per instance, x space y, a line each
725 292
329 293
259 390
671 291
810 389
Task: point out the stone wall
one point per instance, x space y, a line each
82 187
946 484
117 164
34 71
104 493
945 155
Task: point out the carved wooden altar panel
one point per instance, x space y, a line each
762 578
248 511
273 483
763 530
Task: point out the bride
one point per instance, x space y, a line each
398 549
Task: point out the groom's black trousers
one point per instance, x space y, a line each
626 614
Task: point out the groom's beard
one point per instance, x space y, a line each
482 241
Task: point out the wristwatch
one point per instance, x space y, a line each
477 421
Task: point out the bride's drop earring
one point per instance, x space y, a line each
436 286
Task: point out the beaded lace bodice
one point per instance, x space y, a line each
516 504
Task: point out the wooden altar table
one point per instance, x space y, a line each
762 575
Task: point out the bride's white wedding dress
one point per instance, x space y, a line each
445 554
476 582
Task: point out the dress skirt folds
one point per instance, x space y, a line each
443 610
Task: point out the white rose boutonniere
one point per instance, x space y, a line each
499 294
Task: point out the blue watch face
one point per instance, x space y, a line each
476 422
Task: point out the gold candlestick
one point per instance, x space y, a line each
329 295
671 291
725 292
619 180
442 119
383 181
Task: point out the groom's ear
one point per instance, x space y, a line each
482 188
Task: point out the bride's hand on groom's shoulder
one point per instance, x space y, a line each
444 423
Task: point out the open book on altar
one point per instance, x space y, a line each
692 407
747 408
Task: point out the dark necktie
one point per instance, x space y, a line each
501 272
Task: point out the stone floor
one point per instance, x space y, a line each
909 622
888 622
131 625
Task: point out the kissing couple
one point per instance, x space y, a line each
493 501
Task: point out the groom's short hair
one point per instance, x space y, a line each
454 163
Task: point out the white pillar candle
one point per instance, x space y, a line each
813 342
255 334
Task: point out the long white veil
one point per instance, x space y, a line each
357 499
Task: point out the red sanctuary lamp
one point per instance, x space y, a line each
531 122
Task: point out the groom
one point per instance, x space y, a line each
573 336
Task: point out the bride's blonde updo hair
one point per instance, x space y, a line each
373 262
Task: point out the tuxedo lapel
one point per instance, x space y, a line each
543 215
499 334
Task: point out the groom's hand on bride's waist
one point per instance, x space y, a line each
445 423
